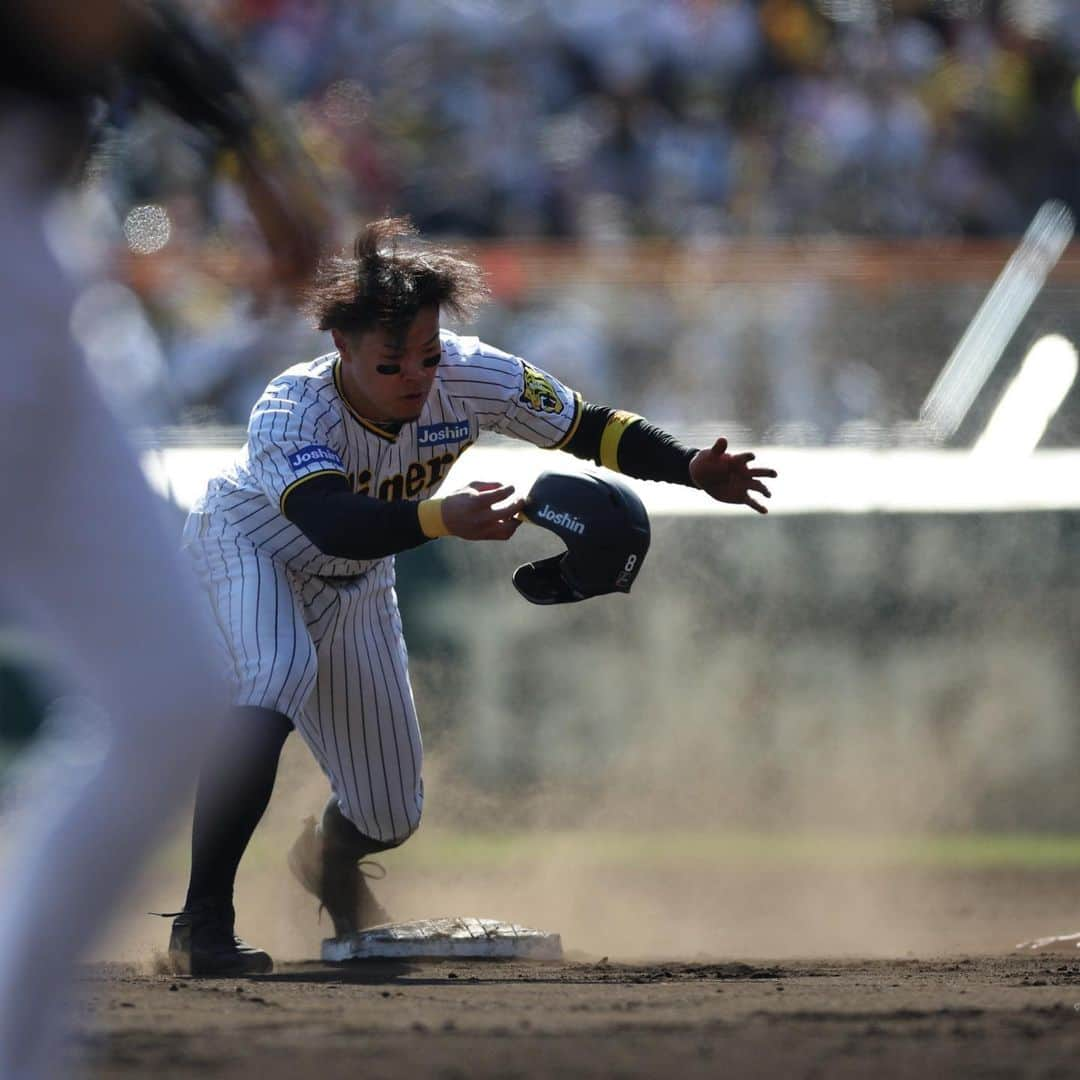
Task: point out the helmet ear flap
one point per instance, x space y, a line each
542 582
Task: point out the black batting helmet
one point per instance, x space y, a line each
606 531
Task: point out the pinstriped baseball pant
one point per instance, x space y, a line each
329 654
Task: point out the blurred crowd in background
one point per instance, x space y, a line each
623 118
603 124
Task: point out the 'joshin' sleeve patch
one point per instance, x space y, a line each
315 455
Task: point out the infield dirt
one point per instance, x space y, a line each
688 954
1009 1016
965 1003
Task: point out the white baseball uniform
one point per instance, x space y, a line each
317 637
88 560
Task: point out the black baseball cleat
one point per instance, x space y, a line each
204 942
337 880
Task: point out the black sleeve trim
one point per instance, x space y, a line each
645 451
571 431
346 525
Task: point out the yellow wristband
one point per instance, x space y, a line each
431 520
617 423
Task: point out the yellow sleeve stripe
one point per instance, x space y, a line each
617 423
573 427
431 518
303 479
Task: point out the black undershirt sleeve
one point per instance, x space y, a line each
346 525
644 451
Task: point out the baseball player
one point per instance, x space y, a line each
295 544
86 557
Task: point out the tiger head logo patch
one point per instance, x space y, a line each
538 392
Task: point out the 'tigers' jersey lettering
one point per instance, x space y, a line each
418 477
563 518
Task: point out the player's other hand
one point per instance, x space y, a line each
728 477
288 205
182 64
472 514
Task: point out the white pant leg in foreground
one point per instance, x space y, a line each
86 557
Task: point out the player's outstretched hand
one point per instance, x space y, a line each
473 515
728 477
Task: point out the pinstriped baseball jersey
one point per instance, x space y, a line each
318 638
302 426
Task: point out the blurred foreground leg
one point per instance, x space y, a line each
87 558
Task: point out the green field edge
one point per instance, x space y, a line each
720 848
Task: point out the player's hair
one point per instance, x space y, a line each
391 276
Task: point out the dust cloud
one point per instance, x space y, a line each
751 756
